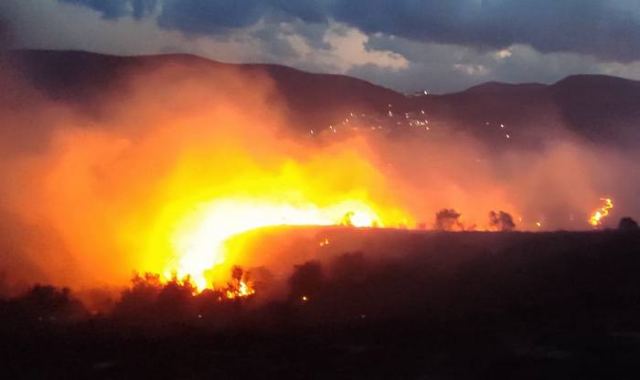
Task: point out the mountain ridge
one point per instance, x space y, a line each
599 108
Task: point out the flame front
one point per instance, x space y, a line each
596 218
164 181
199 241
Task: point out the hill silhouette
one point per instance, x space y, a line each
600 109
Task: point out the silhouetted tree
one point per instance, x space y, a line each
347 219
175 301
501 221
262 279
138 301
307 279
48 303
237 272
448 220
628 224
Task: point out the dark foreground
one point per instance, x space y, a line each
512 305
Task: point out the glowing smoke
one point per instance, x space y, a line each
182 154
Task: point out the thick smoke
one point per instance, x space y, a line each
88 198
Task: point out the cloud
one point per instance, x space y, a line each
114 9
210 16
50 24
471 69
344 49
332 47
607 30
581 26
441 68
315 36
4 33
502 54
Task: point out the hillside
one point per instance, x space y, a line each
600 109
456 306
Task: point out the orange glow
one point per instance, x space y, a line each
161 190
163 179
596 218
199 240
243 290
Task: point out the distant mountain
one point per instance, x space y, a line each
86 79
601 109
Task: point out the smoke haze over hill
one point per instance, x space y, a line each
104 161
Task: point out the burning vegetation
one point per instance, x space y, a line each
600 214
240 286
157 183
353 307
346 286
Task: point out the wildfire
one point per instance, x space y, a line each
243 290
596 218
199 242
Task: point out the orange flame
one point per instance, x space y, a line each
199 242
243 290
596 218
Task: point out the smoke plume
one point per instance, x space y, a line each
87 198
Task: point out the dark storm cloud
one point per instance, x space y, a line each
583 26
597 27
210 16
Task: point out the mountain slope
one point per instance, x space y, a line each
601 109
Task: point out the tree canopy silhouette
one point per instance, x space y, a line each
628 224
501 221
448 220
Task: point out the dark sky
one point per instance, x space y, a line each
439 45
